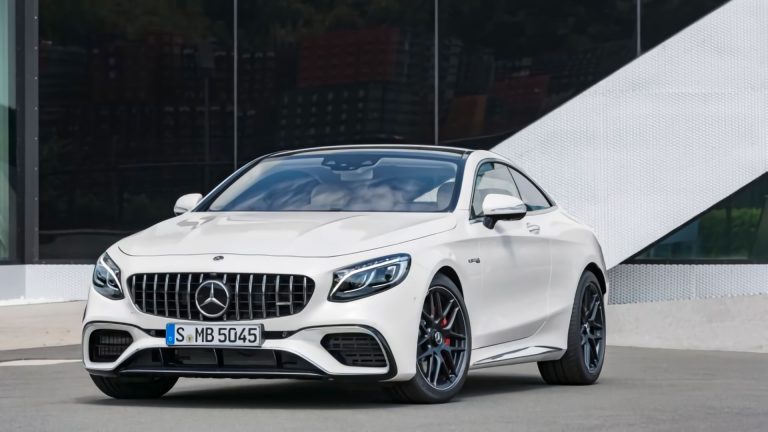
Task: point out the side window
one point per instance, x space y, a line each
492 178
530 193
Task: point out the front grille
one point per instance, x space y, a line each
355 349
105 346
252 296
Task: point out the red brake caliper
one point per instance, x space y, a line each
444 323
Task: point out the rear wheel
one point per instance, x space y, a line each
582 362
443 347
134 387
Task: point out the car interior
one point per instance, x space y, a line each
384 185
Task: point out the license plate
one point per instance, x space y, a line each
213 335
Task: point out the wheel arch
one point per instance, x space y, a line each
598 272
451 274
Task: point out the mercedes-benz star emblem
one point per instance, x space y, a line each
212 298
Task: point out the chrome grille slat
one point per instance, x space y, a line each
178 288
144 294
165 294
199 282
250 297
189 297
237 297
264 297
277 295
273 301
154 294
290 298
224 281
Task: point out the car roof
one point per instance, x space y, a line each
464 152
423 147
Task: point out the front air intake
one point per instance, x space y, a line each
106 346
355 349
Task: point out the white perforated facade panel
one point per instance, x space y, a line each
34 283
662 139
645 283
59 281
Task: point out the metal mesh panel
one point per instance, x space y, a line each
355 349
644 283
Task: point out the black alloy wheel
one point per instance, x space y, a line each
592 326
583 360
442 343
443 347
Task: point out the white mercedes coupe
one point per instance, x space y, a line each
403 265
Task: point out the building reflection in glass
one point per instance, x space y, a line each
137 98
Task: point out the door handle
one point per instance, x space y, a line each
533 228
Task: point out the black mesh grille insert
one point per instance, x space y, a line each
105 346
189 361
251 296
355 349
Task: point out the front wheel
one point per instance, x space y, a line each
583 360
443 347
134 387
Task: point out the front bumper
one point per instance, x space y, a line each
298 354
391 317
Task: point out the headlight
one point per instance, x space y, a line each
368 278
106 278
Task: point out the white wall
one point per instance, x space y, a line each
722 324
33 283
662 139
12 281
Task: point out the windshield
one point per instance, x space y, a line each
346 180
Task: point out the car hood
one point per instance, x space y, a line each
315 234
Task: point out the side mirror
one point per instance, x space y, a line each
498 207
186 203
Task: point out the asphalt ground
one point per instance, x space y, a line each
640 390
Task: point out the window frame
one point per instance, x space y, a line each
474 219
538 188
472 215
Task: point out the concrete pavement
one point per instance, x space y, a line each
65 352
719 324
641 390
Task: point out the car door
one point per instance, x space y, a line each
515 265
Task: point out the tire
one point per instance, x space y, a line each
583 360
134 387
443 346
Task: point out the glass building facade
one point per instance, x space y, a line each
7 154
142 101
127 105
505 64
732 231
661 19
